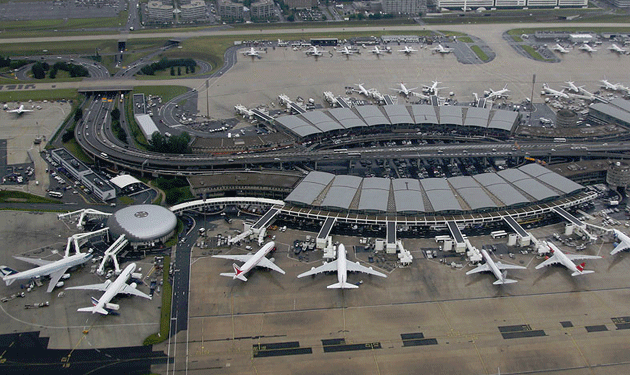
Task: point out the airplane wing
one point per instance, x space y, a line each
264 262
128 289
100 287
328 267
619 248
548 262
580 257
239 258
37 262
356 267
502 266
481 268
55 277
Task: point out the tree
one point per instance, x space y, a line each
291 18
38 71
179 70
78 114
116 114
172 70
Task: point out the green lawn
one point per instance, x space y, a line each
479 52
9 196
165 313
533 53
38 95
73 147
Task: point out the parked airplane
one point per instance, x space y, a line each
566 260
404 90
20 110
111 289
495 268
362 90
408 50
54 269
251 52
441 49
314 51
624 242
560 49
491 94
433 89
619 50
346 51
250 261
572 87
609 86
342 266
377 51
587 48
377 96
558 94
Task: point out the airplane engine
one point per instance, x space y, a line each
65 276
59 284
133 285
136 275
272 260
112 306
107 283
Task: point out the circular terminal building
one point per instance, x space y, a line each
143 225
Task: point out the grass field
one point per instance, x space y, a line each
73 147
165 312
533 53
10 196
38 95
479 52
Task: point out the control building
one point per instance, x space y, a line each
618 175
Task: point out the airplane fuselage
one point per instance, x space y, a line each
493 267
253 261
47 269
115 287
342 269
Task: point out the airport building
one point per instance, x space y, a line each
193 10
261 9
159 12
413 7
488 4
230 11
147 126
370 119
143 225
617 111
618 175
79 171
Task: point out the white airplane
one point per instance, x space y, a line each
377 96
408 50
314 51
558 94
498 94
560 49
496 269
346 51
54 269
619 50
609 86
20 110
342 266
572 87
433 89
377 51
404 90
587 48
566 260
250 261
624 242
111 289
441 49
362 90
251 52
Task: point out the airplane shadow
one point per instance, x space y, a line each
554 270
618 259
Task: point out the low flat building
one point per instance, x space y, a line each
82 173
301 4
269 185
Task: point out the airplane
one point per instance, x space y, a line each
111 289
587 48
433 89
558 94
495 268
346 51
377 51
20 110
251 52
560 49
624 242
54 269
442 49
377 96
609 86
573 87
408 50
314 51
342 266
619 50
498 94
362 90
250 261
403 90
566 260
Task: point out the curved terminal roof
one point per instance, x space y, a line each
322 121
487 191
124 180
142 223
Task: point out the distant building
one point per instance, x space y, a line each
403 6
261 9
229 10
159 11
301 4
621 3
193 10
459 4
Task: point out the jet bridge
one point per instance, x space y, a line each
388 99
524 237
111 253
324 233
262 116
82 214
574 223
80 239
342 102
460 244
391 238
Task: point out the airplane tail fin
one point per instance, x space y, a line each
6 271
504 281
342 286
581 266
237 274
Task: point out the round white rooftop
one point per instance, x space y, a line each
142 223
